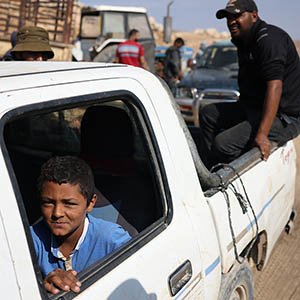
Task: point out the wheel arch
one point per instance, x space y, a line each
256 255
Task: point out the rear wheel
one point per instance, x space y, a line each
238 283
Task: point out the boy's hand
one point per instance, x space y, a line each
60 280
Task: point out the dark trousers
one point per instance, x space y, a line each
172 85
228 130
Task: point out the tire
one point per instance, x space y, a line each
238 283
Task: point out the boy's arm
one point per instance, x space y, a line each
61 280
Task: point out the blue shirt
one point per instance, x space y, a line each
101 238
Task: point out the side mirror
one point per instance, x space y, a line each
191 64
194 64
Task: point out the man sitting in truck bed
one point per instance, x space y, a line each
68 239
269 105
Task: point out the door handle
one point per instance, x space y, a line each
180 277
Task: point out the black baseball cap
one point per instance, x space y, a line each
236 7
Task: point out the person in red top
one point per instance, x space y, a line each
131 52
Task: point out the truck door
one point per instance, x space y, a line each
8 281
133 170
17 276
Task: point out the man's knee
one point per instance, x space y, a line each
223 150
208 114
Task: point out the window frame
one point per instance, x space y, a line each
95 272
83 31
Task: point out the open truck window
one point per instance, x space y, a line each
112 137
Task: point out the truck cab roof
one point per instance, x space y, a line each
11 70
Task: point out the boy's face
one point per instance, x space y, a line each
64 209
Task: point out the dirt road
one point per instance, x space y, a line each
280 280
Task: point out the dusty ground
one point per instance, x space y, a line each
193 39
280 280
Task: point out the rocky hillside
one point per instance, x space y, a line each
194 38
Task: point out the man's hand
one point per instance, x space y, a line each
143 63
264 145
60 280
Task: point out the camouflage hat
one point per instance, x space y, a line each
235 7
33 39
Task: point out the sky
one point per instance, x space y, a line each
188 15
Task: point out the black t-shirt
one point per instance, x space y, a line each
269 54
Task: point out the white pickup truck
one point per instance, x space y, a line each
195 234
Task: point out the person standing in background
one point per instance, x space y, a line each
172 71
131 52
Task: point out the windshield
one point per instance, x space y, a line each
114 23
218 57
140 22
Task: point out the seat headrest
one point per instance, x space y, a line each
106 132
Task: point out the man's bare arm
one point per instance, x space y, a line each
270 108
143 62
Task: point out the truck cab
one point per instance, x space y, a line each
193 231
104 27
